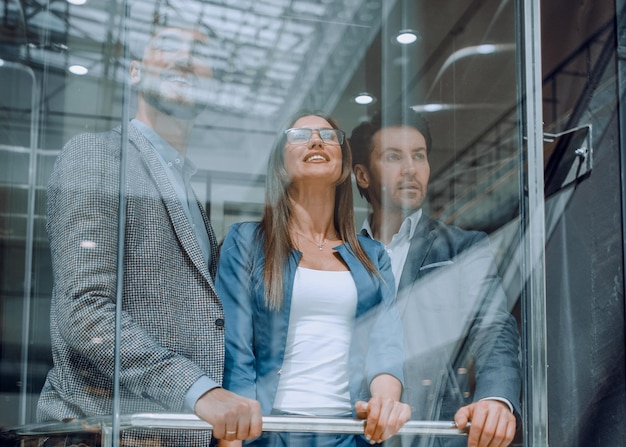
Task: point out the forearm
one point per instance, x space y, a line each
386 386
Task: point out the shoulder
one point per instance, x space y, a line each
87 157
244 229
92 145
242 234
456 235
94 138
370 246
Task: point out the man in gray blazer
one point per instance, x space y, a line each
171 321
461 343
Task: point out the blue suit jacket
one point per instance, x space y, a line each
255 336
461 343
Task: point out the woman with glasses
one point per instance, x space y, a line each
311 327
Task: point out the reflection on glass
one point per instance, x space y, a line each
461 345
213 104
160 334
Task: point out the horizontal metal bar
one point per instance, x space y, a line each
270 423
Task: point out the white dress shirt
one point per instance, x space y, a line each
398 248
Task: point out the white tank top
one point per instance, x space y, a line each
315 372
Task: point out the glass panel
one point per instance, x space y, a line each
207 88
459 288
163 116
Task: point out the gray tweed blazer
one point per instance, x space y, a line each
172 321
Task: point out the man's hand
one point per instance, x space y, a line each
232 416
492 423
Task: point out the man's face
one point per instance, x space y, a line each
175 74
397 177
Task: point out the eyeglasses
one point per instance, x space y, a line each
300 135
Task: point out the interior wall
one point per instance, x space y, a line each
585 278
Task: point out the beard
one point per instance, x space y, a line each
404 204
171 107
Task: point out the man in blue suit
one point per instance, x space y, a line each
461 343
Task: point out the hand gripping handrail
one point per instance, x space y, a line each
270 423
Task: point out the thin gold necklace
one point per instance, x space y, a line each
319 245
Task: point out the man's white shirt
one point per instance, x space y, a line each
398 248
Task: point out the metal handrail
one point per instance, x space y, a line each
180 421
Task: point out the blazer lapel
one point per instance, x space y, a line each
420 246
179 220
212 240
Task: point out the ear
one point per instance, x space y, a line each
135 72
362 176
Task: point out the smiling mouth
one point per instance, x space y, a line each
315 157
179 79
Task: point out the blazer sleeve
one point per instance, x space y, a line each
386 351
82 225
234 286
493 336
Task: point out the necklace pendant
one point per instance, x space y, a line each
320 246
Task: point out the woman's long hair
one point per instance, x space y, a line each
274 226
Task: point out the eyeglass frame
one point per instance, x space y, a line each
341 135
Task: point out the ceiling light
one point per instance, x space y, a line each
77 2
78 70
438 107
1 62
433 107
364 98
486 49
407 37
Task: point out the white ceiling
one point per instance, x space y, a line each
274 57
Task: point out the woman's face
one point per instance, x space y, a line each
313 151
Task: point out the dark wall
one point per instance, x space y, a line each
585 286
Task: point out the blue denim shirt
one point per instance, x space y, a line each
255 336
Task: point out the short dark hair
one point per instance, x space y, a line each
362 135
361 140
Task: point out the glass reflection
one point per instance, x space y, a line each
210 99
454 309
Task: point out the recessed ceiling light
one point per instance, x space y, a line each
78 70
364 98
77 2
407 37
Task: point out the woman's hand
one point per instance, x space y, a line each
384 414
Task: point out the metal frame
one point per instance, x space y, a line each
35 112
535 395
177 421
